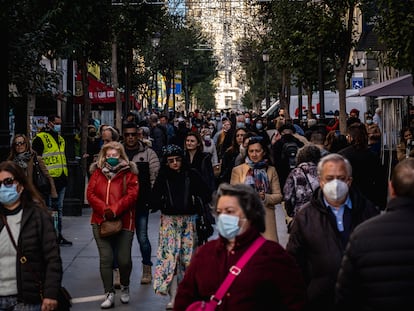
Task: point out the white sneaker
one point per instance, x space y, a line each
124 294
109 301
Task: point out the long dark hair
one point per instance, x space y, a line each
29 193
13 152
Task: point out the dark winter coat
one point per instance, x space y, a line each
37 242
271 278
316 244
172 192
282 163
368 174
377 269
202 163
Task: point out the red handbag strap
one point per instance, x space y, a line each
235 270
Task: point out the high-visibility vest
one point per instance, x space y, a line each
54 154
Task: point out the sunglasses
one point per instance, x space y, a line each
130 134
173 160
20 143
7 182
256 138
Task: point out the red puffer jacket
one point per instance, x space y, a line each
103 193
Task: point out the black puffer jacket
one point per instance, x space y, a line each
38 243
377 269
316 244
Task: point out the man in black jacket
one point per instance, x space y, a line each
377 268
321 229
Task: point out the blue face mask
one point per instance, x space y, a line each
57 128
240 125
228 226
112 161
9 195
259 126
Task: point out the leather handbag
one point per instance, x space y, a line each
110 227
114 226
233 273
40 180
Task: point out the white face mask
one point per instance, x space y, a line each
335 190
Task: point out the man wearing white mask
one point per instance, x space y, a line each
321 229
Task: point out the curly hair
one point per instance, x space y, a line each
308 153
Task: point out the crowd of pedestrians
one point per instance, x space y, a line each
332 186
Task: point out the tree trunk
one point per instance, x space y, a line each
115 85
31 106
86 110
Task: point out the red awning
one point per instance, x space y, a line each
99 92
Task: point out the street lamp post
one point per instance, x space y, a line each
187 106
155 42
265 57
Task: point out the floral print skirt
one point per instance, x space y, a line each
176 244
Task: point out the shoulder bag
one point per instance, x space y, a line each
113 226
40 180
233 273
64 298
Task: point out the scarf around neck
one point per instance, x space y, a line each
257 175
22 158
110 171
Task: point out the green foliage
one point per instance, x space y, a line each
395 20
204 93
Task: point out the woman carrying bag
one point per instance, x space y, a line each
112 193
31 266
32 164
269 278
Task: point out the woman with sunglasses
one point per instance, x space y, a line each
258 172
173 192
25 157
112 193
32 285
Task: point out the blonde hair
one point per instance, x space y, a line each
111 145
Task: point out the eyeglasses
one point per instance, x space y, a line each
20 143
7 182
130 134
173 160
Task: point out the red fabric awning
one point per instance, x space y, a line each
99 92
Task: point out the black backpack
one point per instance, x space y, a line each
289 152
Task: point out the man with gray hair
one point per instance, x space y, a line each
377 267
321 229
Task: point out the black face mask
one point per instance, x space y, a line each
92 134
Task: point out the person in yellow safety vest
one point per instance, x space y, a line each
51 146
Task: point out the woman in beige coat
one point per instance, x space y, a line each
258 172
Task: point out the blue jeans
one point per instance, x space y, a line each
58 203
141 229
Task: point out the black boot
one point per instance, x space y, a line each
63 242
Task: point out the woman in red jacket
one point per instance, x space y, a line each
112 193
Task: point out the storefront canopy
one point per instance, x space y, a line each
99 92
401 86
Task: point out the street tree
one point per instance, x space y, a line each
394 26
